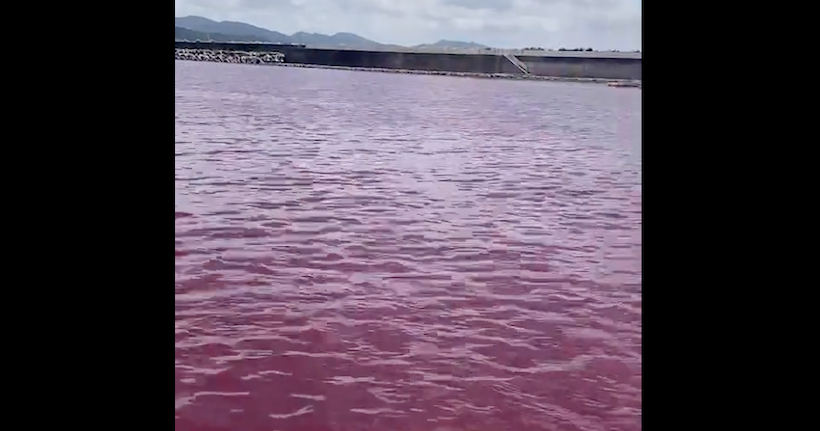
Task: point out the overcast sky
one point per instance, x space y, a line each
600 24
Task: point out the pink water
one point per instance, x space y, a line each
361 251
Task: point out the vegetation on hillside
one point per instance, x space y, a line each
199 28
193 28
186 34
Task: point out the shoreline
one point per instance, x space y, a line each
274 59
505 76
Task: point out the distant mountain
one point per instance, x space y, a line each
199 28
339 39
186 34
206 25
249 32
451 44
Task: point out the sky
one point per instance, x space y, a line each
598 24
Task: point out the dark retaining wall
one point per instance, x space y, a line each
583 67
605 68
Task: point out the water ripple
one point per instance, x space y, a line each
361 251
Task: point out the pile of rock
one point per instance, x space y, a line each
237 57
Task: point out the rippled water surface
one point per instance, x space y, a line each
360 251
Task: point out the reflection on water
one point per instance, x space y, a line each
361 251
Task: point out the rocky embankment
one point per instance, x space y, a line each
238 57
278 59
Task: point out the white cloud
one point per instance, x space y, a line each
601 24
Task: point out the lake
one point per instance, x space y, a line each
369 251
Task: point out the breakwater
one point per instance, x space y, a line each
542 67
240 57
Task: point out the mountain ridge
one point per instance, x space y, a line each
200 28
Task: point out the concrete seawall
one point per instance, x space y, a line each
562 66
583 67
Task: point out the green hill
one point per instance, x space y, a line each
199 28
192 35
